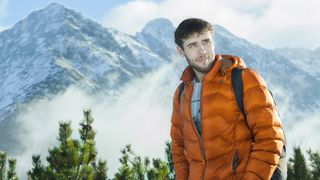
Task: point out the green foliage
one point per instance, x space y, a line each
134 167
71 159
76 159
38 170
100 170
126 170
9 174
314 158
298 166
298 169
3 159
168 150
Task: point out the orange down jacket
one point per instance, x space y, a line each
226 150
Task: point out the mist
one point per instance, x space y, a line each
139 116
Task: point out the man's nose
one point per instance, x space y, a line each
202 50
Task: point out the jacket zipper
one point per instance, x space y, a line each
201 140
194 128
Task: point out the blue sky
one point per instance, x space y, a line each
16 10
269 23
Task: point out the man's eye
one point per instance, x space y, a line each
207 41
191 45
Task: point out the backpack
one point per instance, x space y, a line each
237 84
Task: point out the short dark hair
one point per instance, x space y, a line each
190 26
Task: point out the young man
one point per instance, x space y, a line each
211 137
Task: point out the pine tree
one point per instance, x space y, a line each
9 174
63 159
172 174
314 158
72 159
100 170
88 151
133 168
297 168
161 169
138 168
3 159
125 171
151 172
290 171
38 170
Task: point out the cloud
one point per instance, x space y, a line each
141 11
3 12
3 6
304 133
140 116
268 23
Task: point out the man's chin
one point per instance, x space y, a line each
202 69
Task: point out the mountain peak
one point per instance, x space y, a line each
159 22
157 26
54 7
52 17
158 35
52 11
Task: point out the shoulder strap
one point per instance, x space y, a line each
181 88
237 85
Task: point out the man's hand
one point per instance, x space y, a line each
225 65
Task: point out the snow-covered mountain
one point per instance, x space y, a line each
307 60
56 47
158 35
293 87
295 90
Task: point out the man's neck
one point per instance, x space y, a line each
199 76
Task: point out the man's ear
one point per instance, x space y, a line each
180 51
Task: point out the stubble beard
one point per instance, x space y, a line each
201 68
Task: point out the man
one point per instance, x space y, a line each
211 138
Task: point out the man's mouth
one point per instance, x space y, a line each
202 59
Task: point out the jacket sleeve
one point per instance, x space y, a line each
181 164
265 127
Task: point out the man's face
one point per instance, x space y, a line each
198 49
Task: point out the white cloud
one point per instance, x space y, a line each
3 12
268 23
3 6
131 16
140 116
304 133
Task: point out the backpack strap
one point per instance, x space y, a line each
181 88
237 85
